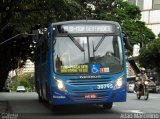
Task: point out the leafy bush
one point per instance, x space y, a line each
26 80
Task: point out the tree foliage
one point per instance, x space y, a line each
22 16
150 55
26 80
127 15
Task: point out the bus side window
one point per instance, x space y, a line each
47 40
38 56
44 51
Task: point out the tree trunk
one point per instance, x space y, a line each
3 77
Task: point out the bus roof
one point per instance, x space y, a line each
86 21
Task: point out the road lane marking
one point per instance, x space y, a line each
136 111
133 111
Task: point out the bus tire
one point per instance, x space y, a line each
107 105
40 98
47 94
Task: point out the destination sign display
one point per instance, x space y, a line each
86 28
74 69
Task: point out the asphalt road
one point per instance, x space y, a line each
26 105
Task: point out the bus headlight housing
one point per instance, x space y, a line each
60 84
119 82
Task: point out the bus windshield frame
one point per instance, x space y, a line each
67 68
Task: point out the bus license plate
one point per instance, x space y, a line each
90 96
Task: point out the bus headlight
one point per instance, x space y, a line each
60 84
119 82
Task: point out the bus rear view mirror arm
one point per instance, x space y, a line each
127 44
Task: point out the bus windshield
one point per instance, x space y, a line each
88 54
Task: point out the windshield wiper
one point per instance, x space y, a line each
99 43
76 43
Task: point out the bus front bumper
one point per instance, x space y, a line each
63 98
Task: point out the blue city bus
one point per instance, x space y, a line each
81 62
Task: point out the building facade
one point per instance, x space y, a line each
150 10
28 68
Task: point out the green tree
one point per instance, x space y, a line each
24 83
127 15
150 55
21 16
26 80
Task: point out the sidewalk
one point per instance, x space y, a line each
3 106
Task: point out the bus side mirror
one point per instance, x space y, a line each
127 44
35 36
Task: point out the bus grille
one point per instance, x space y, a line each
88 92
88 81
79 93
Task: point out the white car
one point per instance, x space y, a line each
21 89
130 86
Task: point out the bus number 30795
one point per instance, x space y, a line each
104 86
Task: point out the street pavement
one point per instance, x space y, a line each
3 106
27 104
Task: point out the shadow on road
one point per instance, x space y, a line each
80 109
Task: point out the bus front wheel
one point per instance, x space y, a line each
40 98
107 105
